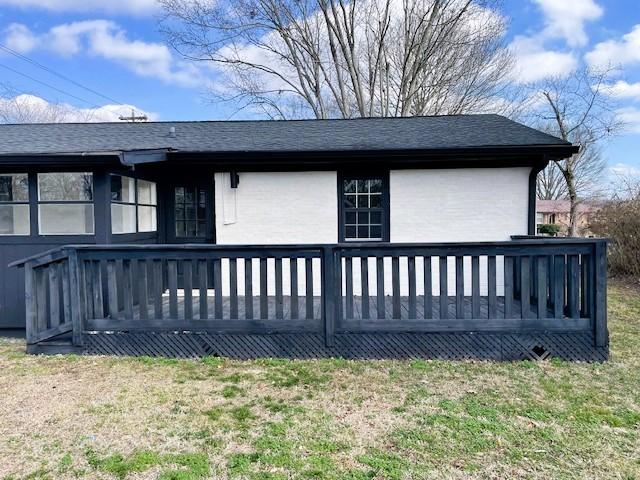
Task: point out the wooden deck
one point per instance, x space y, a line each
251 308
161 300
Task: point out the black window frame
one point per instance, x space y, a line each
26 202
136 203
385 204
92 201
198 191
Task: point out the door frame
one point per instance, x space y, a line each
201 180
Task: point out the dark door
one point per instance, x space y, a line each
190 216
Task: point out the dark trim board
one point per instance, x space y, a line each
450 346
533 178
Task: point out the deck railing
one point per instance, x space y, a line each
531 285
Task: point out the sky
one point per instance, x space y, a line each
114 48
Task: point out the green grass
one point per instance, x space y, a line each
78 417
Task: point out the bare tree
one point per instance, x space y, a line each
577 110
347 58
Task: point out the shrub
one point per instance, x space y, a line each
619 220
550 229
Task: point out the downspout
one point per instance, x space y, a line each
533 177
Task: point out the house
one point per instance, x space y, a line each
557 212
364 237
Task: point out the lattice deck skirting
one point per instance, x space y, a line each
451 346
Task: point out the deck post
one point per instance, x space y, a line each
329 288
77 309
600 293
31 298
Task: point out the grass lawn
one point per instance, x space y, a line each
124 418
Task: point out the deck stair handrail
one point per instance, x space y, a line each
523 285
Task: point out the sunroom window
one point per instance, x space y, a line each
65 203
133 205
123 204
14 204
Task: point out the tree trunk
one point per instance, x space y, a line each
573 202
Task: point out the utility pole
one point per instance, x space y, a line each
133 118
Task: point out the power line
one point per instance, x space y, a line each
60 75
93 105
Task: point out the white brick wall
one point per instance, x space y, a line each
271 208
454 205
277 208
458 205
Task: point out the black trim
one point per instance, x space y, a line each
386 204
533 178
490 156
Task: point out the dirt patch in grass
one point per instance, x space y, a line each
120 418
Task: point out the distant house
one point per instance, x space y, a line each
557 212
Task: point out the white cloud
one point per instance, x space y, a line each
566 19
19 38
617 52
26 108
624 170
623 89
105 39
130 7
534 63
630 117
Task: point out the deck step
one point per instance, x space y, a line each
54 347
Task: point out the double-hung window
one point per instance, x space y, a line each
65 203
364 208
133 205
14 204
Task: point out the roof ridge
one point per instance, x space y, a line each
355 119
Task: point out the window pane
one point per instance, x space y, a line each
349 186
147 192
350 217
376 217
375 231
363 218
65 219
14 220
14 187
363 201
363 186
65 186
123 218
122 189
363 231
180 229
376 201
375 186
191 229
349 201
350 232
147 219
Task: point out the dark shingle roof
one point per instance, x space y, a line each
415 133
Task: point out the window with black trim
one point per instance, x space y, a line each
133 205
14 204
364 208
65 203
